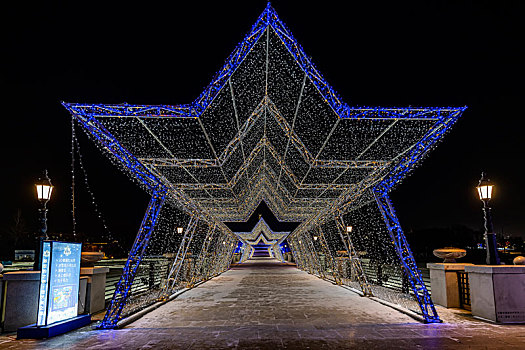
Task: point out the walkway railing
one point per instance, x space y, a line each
149 275
388 276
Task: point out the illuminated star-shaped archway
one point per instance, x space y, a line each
269 128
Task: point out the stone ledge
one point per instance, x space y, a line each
496 269
448 266
93 270
22 276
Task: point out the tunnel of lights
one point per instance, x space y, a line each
268 128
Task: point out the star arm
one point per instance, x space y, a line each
111 145
408 113
416 153
127 110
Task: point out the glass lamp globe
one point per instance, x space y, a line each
44 189
484 188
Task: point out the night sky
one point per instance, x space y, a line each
392 54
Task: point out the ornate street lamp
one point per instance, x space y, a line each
485 194
44 188
179 230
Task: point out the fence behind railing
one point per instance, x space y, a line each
464 290
149 275
391 276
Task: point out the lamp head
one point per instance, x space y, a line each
44 188
484 188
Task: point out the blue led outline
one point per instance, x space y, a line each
128 110
401 245
402 248
267 18
159 192
234 60
329 94
417 152
123 288
107 140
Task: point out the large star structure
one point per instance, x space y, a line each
268 128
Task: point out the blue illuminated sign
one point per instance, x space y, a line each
59 280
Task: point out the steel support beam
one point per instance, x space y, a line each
173 274
328 255
355 260
404 253
123 287
197 271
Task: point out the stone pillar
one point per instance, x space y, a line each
444 283
20 299
82 294
96 288
1 297
497 292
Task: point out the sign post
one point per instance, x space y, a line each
58 296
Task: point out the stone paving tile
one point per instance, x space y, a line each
268 305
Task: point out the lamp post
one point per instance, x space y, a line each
44 188
485 194
349 243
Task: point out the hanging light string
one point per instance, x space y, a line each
76 146
73 141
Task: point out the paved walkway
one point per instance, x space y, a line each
264 304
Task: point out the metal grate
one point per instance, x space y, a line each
464 290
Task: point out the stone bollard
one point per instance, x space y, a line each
444 283
20 299
496 292
96 288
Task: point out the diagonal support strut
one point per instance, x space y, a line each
123 287
404 253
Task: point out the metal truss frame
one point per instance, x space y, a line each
380 192
277 252
381 188
266 22
265 182
247 252
160 192
298 256
224 255
328 255
173 275
307 249
355 260
202 256
123 287
267 19
402 248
